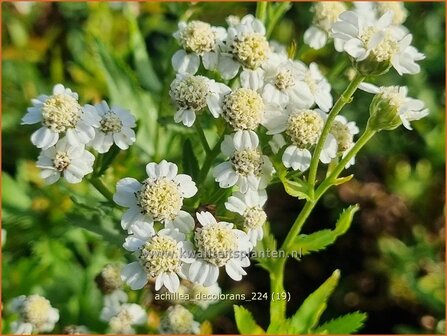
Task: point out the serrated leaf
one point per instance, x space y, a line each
317 241
245 322
297 188
342 180
343 325
278 328
309 313
190 163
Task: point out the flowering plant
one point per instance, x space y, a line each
252 115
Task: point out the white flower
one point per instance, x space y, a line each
303 128
198 40
204 296
160 256
395 97
109 279
398 9
377 41
247 167
115 126
178 320
325 14
344 132
246 45
122 318
192 94
276 143
36 315
63 159
158 199
218 244
249 206
60 114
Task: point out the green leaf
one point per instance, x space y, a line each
190 163
268 243
278 327
297 188
245 322
308 315
343 325
107 159
342 180
14 193
317 241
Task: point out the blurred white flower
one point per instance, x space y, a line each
158 199
325 14
121 318
247 167
60 114
204 296
303 128
218 244
398 9
115 126
198 40
344 131
161 256
246 45
178 320
377 41
249 206
36 315
192 94
64 159
109 279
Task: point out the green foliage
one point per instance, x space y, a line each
343 325
245 322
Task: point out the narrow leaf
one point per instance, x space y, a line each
190 163
310 311
343 325
245 322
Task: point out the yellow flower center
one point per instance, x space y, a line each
61 112
251 50
36 310
111 123
190 92
254 217
160 254
248 162
304 128
343 136
284 79
197 37
326 13
61 161
243 109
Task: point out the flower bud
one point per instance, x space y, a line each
384 110
371 66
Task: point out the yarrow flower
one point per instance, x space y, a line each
64 159
115 126
246 45
376 45
247 167
398 9
36 315
343 132
158 199
199 40
249 206
303 128
60 114
204 296
109 279
218 244
161 256
121 318
325 14
192 94
178 320
391 107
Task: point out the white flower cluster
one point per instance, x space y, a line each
36 315
67 128
368 31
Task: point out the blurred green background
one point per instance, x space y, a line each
392 260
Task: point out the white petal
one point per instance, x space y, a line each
315 37
125 192
44 138
228 67
234 270
134 275
184 222
183 62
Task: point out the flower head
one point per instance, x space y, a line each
218 244
109 279
204 296
60 114
249 206
247 167
192 94
391 107
115 126
64 159
158 199
303 128
121 318
343 132
243 109
198 40
398 9
36 314
160 256
178 320
325 14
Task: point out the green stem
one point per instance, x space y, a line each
209 160
202 137
278 308
279 11
261 11
341 102
101 187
